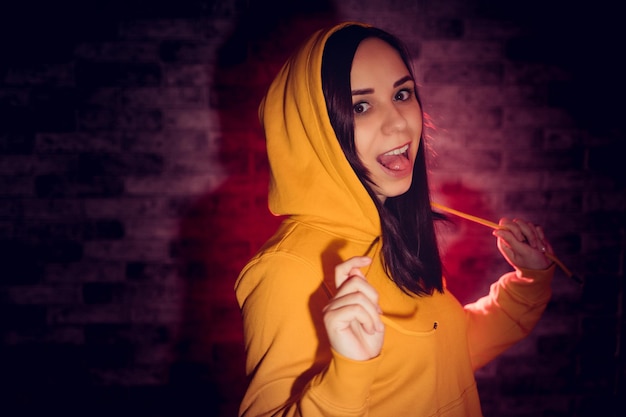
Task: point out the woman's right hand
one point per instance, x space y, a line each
352 317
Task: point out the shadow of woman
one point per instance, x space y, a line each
221 231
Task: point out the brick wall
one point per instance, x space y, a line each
133 188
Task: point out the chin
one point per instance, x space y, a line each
396 191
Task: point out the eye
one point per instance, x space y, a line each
403 95
361 107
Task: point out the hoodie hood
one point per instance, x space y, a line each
310 177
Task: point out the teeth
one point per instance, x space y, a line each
398 151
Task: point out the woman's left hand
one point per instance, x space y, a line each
523 244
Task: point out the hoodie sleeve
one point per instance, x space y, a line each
292 369
508 313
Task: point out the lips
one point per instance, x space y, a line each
396 160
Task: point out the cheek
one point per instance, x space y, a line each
362 141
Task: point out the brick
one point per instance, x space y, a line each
157 206
10 209
528 73
169 97
185 74
136 51
101 292
23 165
516 117
444 116
91 74
147 294
529 48
127 250
58 186
119 164
156 228
566 201
110 356
160 29
482 160
193 270
56 74
561 138
464 73
479 27
444 28
53 118
74 142
63 335
95 118
186 51
165 313
14 96
81 230
16 142
131 119
482 95
86 314
152 272
559 160
60 251
42 294
47 209
561 346
233 98
171 142
603 200
209 162
466 50
184 119
174 186
493 185
85 271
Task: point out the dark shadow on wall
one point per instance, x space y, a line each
222 230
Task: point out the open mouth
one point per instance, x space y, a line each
396 159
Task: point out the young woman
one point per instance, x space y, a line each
345 309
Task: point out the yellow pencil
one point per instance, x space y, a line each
497 226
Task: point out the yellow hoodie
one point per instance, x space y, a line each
432 344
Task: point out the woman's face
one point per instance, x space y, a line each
387 117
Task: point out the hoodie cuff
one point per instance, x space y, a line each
531 284
540 276
347 382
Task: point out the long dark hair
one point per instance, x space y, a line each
409 245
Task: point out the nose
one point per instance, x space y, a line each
394 120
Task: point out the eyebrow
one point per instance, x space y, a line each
371 90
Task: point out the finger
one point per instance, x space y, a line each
343 318
544 244
340 313
529 232
359 285
540 233
508 241
512 228
505 247
356 298
350 267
